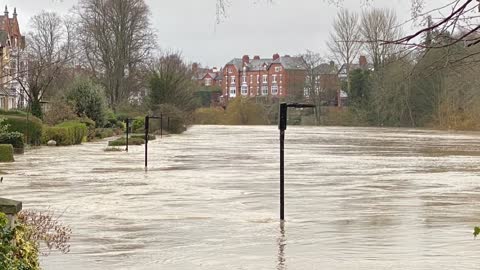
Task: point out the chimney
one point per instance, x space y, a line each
246 59
6 11
256 57
214 69
14 12
363 61
276 56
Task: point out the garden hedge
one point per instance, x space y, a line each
122 141
6 153
67 133
15 139
31 129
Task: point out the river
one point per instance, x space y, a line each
356 198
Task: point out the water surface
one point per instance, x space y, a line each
356 198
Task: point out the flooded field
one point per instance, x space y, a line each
356 198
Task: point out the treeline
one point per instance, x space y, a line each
103 62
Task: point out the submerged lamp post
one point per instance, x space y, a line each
282 126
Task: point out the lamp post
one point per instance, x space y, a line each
282 126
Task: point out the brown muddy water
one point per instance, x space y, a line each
356 198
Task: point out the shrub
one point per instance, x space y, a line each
17 250
31 129
13 138
243 111
67 133
101 133
60 111
122 141
209 116
138 124
90 127
177 123
6 153
88 100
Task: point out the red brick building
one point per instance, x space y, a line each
206 76
278 76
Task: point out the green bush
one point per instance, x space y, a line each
17 250
138 124
31 129
6 153
101 133
13 138
88 100
122 141
67 133
177 123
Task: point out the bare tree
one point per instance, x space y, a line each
49 48
377 26
344 41
116 39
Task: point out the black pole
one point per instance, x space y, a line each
161 125
147 120
282 125
126 149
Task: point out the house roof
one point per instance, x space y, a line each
290 63
326 69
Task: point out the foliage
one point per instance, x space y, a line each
151 137
31 129
101 133
67 133
122 141
88 100
6 153
17 249
243 111
113 149
174 120
113 122
171 83
13 112
476 232
209 116
46 230
13 138
60 111
359 95
138 124
206 94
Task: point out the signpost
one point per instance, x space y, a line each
282 126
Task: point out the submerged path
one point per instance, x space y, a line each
356 198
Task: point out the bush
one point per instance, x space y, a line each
13 138
138 124
88 100
60 111
31 129
101 133
151 137
6 153
67 133
177 123
122 141
90 127
17 250
209 116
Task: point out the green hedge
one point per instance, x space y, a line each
151 137
122 141
31 129
6 153
13 138
67 133
102 133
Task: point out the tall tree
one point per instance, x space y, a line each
49 48
116 39
344 40
378 26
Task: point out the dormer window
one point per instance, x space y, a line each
278 69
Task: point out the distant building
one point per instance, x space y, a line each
13 63
206 76
270 77
327 84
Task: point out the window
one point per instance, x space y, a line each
264 90
232 79
274 78
265 78
229 70
244 79
278 69
274 89
208 81
244 89
251 78
233 91
258 78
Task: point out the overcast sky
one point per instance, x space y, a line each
253 27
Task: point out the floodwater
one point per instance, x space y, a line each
356 198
